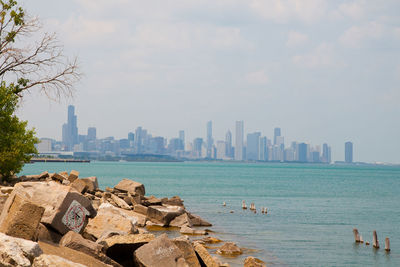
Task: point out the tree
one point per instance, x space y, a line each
24 65
17 144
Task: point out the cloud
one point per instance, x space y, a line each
322 56
356 35
283 11
258 77
354 10
296 39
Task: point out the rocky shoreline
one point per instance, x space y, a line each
60 219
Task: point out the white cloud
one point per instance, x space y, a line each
354 10
258 77
296 39
322 56
286 10
355 35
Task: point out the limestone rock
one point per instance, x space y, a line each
73 175
163 215
6 189
204 257
181 220
253 262
3 199
188 252
211 240
17 251
229 249
92 183
120 203
47 234
131 187
198 221
65 209
79 185
173 201
22 218
151 201
186 230
140 209
45 260
121 247
159 252
109 218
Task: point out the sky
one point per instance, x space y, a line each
323 71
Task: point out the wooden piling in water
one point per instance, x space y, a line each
224 204
387 244
244 205
375 242
356 235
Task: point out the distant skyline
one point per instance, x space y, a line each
322 71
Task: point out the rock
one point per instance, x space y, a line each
6 189
109 218
44 233
73 175
181 220
120 203
76 242
198 221
189 231
163 215
65 209
229 249
140 209
17 251
173 201
131 187
188 252
211 240
3 199
22 219
91 183
151 201
205 258
71 255
253 262
79 185
59 177
159 252
120 248
44 175
140 218
45 260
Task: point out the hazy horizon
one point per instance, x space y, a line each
322 71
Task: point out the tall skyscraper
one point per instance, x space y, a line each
348 153
210 140
239 140
91 135
70 129
228 142
302 151
326 153
197 147
182 137
277 132
253 146
263 150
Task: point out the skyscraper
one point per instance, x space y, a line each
70 129
91 135
348 152
263 150
228 147
326 153
182 137
239 140
253 146
197 147
277 132
302 151
210 140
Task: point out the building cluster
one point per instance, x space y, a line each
250 147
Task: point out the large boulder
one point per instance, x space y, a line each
173 201
120 202
186 230
45 233
91 183
17 251
188 252
65 209
45 260
132 187
181 220
120 248
163 214
253 262
198 221
159 252
73 175
203 255
109 218
229 249
140 209
79 185
22 219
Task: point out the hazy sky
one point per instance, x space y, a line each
323 71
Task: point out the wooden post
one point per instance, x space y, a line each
265 211
387 244
244 205
224 204
375 242
356 235
361 239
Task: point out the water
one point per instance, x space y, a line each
312 208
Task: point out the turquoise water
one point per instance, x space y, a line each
312 208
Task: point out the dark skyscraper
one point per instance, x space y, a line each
253 146
210 140
70 129
348 152
277 132
302 150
